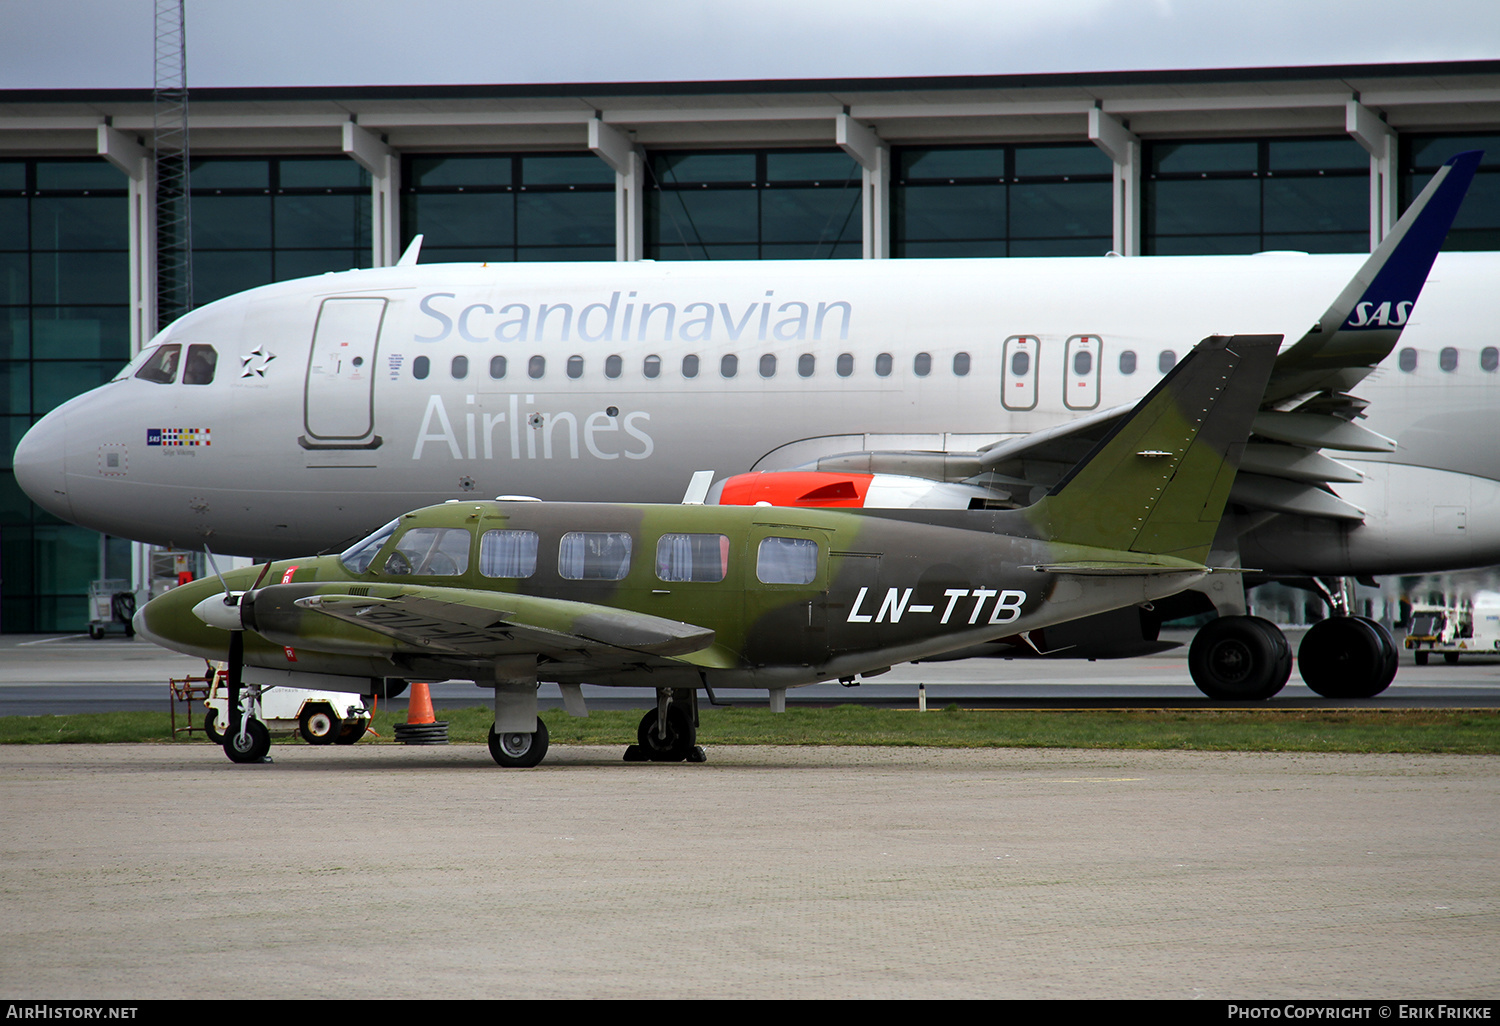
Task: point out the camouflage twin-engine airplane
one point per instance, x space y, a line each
509 593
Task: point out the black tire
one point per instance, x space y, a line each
319 725
1389 650
251 748
1451 658
1420 655
1344 657
515 750
211 727
96 632
1240 659
679 742
352 732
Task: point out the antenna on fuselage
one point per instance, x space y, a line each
697 489
409 258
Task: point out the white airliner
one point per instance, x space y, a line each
292 417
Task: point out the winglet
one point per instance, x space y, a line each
1365 321
1158 482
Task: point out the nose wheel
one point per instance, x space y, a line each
516 750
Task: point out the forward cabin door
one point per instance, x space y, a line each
339 396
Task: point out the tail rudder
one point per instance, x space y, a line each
1159 481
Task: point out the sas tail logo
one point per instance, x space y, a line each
1382 316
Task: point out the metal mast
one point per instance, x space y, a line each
174 238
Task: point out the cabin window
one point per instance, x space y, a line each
768 366
1083 363
787 561
594 556
692 557
652 367
1407 361
1020 363
961 365
358 557
1489 358
509 554
201 361
1127 362
460 367
1448 358
1166 361
729 366
805 364
497 367
883 365
690 366
430 552
161 368
537 366
419 368
575 366
922 365
612 366
845 364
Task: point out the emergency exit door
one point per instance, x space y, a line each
339 398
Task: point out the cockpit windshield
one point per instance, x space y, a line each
358 557
161 366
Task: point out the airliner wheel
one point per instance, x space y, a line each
1347 657
1240 658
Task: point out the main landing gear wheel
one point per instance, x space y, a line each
319 726
251 746
518 750
1240 659
1347 657
680 743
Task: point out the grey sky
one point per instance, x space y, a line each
108 43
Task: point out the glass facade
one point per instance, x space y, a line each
505 208
1478 223
257 221
1249 195
64 328
767 205
1002 201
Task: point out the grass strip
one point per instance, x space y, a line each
1446 731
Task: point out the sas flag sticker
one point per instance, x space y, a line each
179 436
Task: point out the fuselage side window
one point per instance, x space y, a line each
845 364
430 552
497 367
201 362
690 366
961 365
1489 359
1448 358
537 366
692 557
575 366
729 366
652 367
922 365
786 561
805 365
419 368
460 368
883 365
612 366
161 368
594 556
1127 362
768 366
506 553
1166 361
1407 361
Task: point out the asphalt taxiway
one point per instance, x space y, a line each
53 674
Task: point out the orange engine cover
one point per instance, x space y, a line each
796 488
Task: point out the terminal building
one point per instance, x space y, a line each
290 182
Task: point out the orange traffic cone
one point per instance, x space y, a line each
421 726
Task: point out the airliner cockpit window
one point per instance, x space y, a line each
358 557
430 552
161 367
201 361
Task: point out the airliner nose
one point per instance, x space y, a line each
40 465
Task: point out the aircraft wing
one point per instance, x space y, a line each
479 624
1307 406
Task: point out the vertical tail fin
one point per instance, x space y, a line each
1158 482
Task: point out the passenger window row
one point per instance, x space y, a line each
1489 359
510 554
729 366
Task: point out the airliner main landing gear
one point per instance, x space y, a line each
1240 658
1348 657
